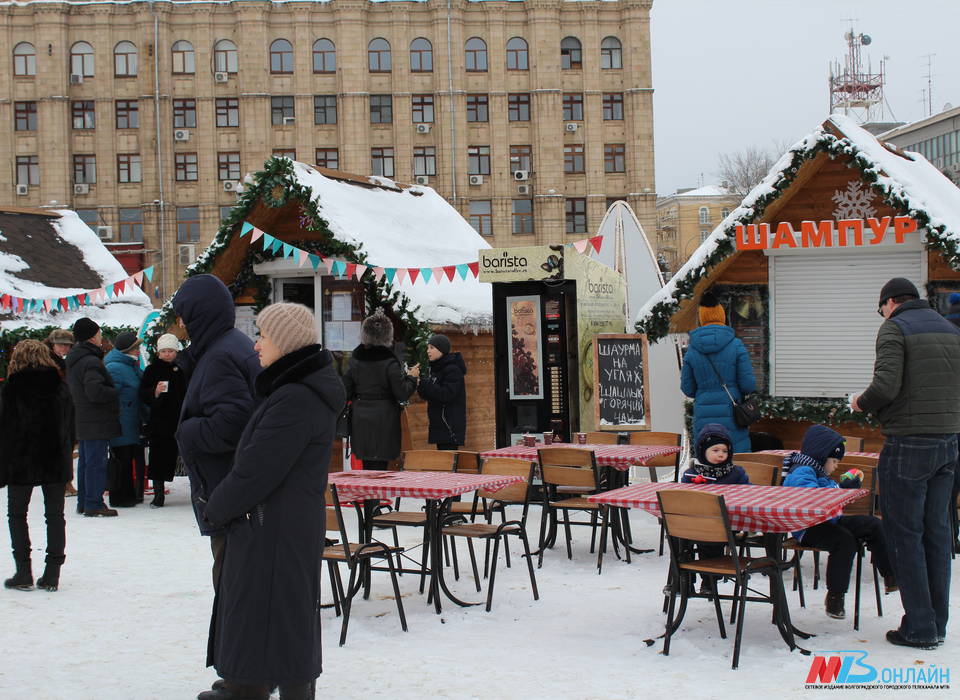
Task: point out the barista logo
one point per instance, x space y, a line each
599 288
505 261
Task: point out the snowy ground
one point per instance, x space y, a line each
130 621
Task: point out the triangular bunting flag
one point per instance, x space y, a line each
64 303
337 268
46 305
350 269
438 275
450 271
474 268
302 255
245 229
329 264
268 241
148 273
5 301
360 271
596 242
277 245
256 235
119 288
314 260
412 272
390 272
138 278
462 270
378 273
581 246
109 289
402 273
287 250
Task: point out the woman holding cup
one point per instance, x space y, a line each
162 388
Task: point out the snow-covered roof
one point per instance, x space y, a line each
905 180
54 254
705 191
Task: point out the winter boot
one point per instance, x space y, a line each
236 691
50 580
834 605
890 584
158 497
138 490
303 691
23 579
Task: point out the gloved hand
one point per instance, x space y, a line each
851 479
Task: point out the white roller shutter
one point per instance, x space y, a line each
824 317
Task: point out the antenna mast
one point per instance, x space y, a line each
855 90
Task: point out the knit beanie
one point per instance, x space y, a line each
440 342
84 329
289 326
898 286
168 341
710 310
713 434
126 341
377 331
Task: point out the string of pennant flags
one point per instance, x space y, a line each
17 305
394 274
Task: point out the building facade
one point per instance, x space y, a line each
687 217
936 138
528 116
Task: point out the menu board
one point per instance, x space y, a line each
621 381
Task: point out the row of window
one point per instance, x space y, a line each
379 56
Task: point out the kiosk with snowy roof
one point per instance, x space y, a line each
800 263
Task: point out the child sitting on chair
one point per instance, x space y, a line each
819 455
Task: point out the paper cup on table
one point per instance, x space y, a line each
581 438
529 441
548 438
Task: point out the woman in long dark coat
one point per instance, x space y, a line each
266 626
376 384
446 393
36 449
162 388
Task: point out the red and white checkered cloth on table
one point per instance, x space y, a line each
429 485
620 457
784 453
753 508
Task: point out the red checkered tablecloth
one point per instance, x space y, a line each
371 483
754 508
784 453
620 457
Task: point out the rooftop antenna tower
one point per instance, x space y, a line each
854 90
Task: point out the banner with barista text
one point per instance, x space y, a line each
520 264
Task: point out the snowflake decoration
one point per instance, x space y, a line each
856 202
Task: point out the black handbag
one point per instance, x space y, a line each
745 411
344 421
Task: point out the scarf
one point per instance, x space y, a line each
799 459
714 471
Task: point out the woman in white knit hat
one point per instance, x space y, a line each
266 630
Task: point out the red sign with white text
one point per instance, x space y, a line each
844 233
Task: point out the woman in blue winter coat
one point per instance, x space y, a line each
123 364
715 357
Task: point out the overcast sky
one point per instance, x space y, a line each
739 73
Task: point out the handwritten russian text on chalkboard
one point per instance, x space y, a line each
620 366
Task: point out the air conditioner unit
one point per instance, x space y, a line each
76 78
186 254
476 179
231 186
221 77
181 134
423 128
521 174
523 189
81 188
571 127
421 179
288 120
105 233
23 189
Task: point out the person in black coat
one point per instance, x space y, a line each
36 449
162 389
376 384
953 315
222 367
446 395
266 626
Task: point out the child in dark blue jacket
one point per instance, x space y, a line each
819 455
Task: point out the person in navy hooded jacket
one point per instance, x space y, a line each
819 455
716 357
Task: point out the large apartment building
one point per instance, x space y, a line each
530 117
687 217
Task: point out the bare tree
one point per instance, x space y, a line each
741 170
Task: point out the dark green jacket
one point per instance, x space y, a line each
916 377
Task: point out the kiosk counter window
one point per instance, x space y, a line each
342 311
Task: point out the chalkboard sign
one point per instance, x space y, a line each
620 382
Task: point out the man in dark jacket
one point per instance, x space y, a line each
222 367
953 315
915 394
97 414
446 395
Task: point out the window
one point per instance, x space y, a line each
521 158
281 109
84 169
128 167
81 59
478 160
573 158
612 106
225 212
518 107
381 109
378 56
288 153
327 158
381 160
572 106
185 167
522 216
477 108
324 109
611 53
184 58
188 224
576 215
422 106
421 56
703 235
227 111
83 114
184 114
724 213
24 116
324 56
614 158
704 215
481 216
517 54
228 166
28 170
570 53
475 53
127 113
131 225
91 217
24 59
424 160
281 56
225 58
125 60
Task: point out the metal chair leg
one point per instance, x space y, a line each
493 571
473 563
566 529
346 605
396 591
526 554
740 616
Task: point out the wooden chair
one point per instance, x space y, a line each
852 444
694 516
518 494
659 438
467 463
603 437
776 460
860 461
343 552
761 473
